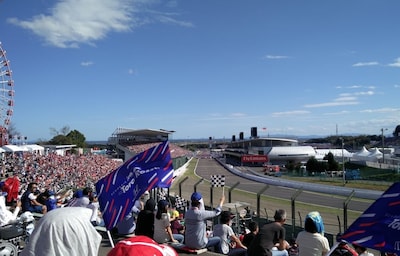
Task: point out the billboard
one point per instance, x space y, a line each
254 158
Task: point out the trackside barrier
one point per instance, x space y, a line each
293 202
258 198
230 191
196 184
180 185
345 203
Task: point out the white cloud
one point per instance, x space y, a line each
380 110
71 23
86 63
275 57
290 113
395 64
363 64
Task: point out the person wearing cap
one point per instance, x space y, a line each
230 243
162 226
195 225
311 241
176 226
270 240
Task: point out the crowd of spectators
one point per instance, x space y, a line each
56 172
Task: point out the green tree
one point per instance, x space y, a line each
77 138
60 140
396 132
332 164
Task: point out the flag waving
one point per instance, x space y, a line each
379 226
118 191
217 180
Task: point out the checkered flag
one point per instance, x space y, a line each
161 194
180 203
217 180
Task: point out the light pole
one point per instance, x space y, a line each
343 169
383 145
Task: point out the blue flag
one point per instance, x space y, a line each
118 191
379 226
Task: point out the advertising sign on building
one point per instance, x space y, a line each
254 158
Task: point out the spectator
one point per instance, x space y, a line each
29 202
195 226
248 238
176 226
162 226
64 231
145 219
84 200
362 251
127 226
6 216
270 240
311 241
230 243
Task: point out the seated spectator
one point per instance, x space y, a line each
195 225
311 241
64 231
230 243
84 200
176 226
6 216
29 202
145 219
162 226
248 238
51 201
127 226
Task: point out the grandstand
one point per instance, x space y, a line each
127 143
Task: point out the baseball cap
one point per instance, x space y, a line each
196 196
174 214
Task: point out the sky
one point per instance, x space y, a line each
203 68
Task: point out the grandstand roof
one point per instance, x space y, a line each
141 132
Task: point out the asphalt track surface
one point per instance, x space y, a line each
207 167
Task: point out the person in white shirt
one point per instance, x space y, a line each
6 216
311 241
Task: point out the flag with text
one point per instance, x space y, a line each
118 191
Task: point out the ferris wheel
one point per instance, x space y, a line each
6 96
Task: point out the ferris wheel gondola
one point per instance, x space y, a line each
6 96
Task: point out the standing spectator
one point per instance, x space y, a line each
29 202
270 240
145 219
230 243
195 225
248 238
162 226
127 226
311 241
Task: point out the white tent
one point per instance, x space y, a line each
35 148
13 148
362 153
375 154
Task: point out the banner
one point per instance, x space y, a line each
254 158
378 227
118 191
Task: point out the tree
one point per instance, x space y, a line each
63 131
396 132
60 140
332 164
77 138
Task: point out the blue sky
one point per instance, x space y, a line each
203 68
